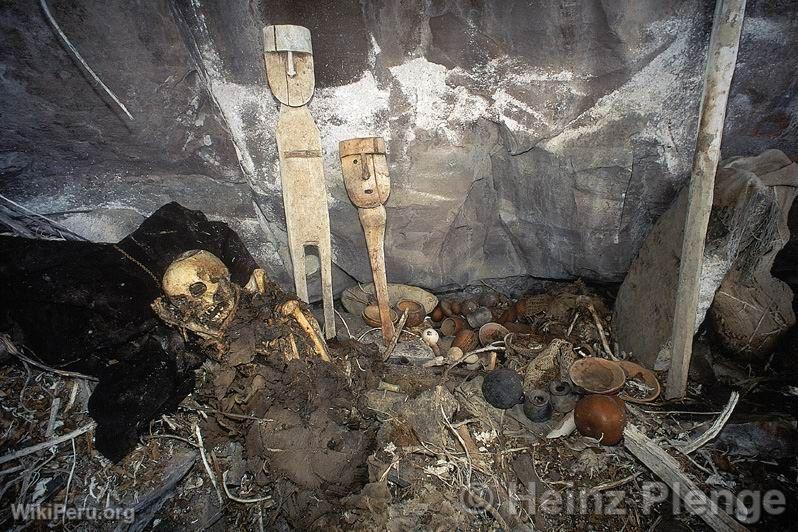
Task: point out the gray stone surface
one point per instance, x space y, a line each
525 138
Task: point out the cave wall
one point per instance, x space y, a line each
525 138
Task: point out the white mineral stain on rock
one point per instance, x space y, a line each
348 111
424 85
649 93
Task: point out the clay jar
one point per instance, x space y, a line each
467 340
448 307
453 325
479 317
602 417
537 406
468 306
562 397
437 314
509 315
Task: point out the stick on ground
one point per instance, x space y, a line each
667 468
46 445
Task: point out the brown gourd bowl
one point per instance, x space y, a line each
371 315
492 332
597 375
453 325
437 314
638 372
466 340
415 312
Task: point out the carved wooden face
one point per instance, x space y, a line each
365 168
289 63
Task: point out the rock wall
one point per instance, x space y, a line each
525 138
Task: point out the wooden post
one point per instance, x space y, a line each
721 59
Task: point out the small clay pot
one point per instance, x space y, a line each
503 388
602 417
537 406
447 307
415 312
488 299
509 315
466 340
453 325
437 314
479 317
468 306
492 332
562 397
371 315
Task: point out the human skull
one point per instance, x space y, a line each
199 278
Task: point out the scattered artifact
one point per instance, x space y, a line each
450 307
602 417
479 317
521 344
453 325
641 386
562 397
597 375
492 332
454 354
431 337
415 312
365 169
371 315
537 406
467 307
289 71
503 388
437 314
355 298
509 315
466 340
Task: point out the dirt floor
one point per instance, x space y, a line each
272 441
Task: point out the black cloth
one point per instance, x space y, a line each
85 307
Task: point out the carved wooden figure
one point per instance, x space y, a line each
289 63
365 169
289 70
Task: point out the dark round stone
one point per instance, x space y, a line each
503 388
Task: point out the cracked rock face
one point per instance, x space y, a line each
539 140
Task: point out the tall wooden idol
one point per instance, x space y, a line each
365 168
289 70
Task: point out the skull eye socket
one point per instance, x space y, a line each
197 289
